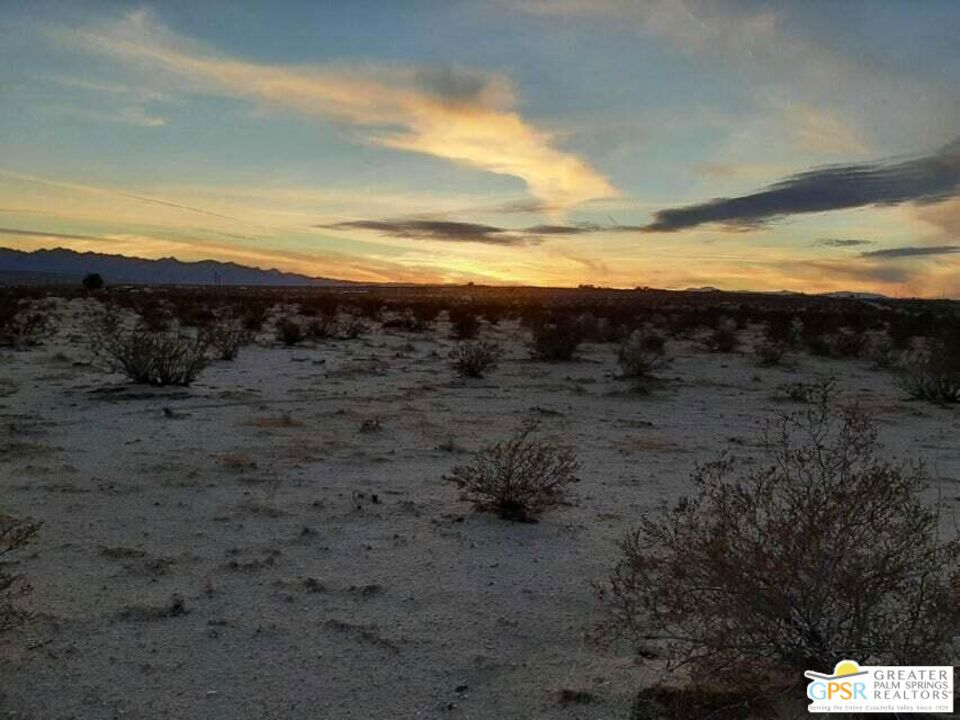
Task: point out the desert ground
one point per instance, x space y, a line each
277 540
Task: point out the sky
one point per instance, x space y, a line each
809 146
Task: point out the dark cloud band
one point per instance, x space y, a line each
452 231
843 242
921 180
912 251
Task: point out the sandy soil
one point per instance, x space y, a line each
324 567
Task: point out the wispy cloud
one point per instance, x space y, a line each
826 97
912 251
17 232
457 114
923 180
842 242
455 231
445 230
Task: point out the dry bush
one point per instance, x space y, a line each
290 332
22 324
640 354
933 374
473 358
153 358
819 391
14 534
556 338
724 336
351 326
464 324
847 343
769 353
517 478
404 320
322 328
783 329
825 552
226 336
154 315
254 314
425 314
880 349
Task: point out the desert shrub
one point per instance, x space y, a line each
14 534
290 332
417 318
493 313
153 358
818 344
517 478
464 324
351 326
191 311
226 337
321 328
640 354
473 358
154 316
769 353
822 553
254 315
425 315
556 338
326 305
822 390
22 324
846 344
405 320
724 336
933 374
880 349
589 325
783 329
93 281
904 328
609 331
367 307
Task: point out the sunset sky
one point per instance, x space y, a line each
809 146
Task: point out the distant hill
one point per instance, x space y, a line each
850 295
67 267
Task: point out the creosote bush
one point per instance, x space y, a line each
473 358
821 390
824 552
769 353
14 534
290 332
153 358
464 324
226 336
724 336
640 354
322 328
517 478
351 326
933 374
556 338
21 324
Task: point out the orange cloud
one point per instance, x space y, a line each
459 115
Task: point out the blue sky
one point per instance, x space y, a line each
745 145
